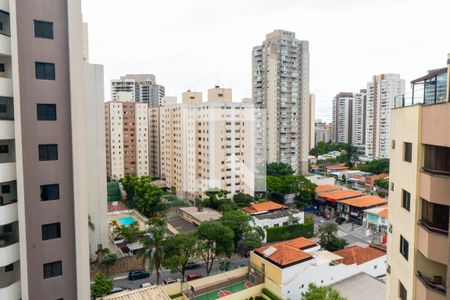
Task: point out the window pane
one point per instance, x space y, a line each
46 112
52 269
408 152
45 71
43 29
49 192
51 231
48 152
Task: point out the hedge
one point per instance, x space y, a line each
283 233
175 296
269 294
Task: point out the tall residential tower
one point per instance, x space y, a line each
142 88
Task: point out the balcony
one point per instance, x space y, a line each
432 245
427 289
6 87
434 187
7 171
11 291
4 5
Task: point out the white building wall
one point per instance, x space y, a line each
114 126
269 223
141 139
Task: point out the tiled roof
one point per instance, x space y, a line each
263 206
288 252
381 211
359 255
366 201
340 195
327 188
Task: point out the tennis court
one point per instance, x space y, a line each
225 291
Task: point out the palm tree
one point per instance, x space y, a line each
90 224
152 251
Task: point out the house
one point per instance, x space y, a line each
321 180
290 266
270 214
326 202
352 209
376 219
188 218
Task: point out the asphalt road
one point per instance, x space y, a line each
236 262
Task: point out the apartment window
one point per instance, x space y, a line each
2 67
4 149
49 192
9 268
404 247
406 200
437 159
435 217
43 29
402 292
392 186
51 231
46 112
407 152
48 152
52 269
45 71
6 189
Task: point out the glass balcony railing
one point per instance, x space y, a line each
6 108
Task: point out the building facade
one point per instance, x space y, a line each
142 87
342 118
359 120
381 93
418 243
207 145
44 251
280 84
321 132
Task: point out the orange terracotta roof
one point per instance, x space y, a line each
340 195
288 252
366 201
359 255
327 188
384 213
263 206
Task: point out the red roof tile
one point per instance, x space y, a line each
288 252
340 195
359 255
263 206
367 201
327 188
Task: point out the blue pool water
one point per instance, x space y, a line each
127 220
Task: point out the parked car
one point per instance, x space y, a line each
118 289
169 281
146 284
193 276
138 274
192 265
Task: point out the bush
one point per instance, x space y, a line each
283 233
259 298
175 296
269 294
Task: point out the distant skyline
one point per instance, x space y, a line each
198 44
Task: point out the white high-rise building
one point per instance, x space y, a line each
280 76
359 120
342 118
381 92
321 132
142 88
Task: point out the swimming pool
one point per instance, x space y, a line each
126 220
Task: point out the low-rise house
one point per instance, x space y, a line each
270 214
197 215
352 209
321 180
290 266
326 202
376 219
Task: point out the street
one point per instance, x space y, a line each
122 280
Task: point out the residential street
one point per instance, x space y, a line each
123 281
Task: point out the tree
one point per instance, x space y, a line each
109 259
306 190
238 221
315 292
178 250
250 241
242 199
102 285
278 169
291 184
218 199
329 239
153 250
214 239
129 233
376 166
382 183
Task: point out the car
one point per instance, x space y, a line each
169 281
193 276
146 284
138 274
192 265
118 289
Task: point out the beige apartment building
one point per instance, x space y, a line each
419 198
207 145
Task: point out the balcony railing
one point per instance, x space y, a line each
432 228
434 284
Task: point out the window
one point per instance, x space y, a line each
4 149
52 269
402 292
6 189
48 152
2 67
392 186
49 192
51 231
393 144
45 71
435 217
406 200
437 159
407 152
46 112
404 245
9 267
43 29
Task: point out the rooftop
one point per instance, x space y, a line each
263 207
288 253
276 214
381 211
180 224
202 215
366 201
358 254
340 195
148 293
361 286
327 188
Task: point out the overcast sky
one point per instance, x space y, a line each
196 44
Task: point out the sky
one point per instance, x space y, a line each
197 44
